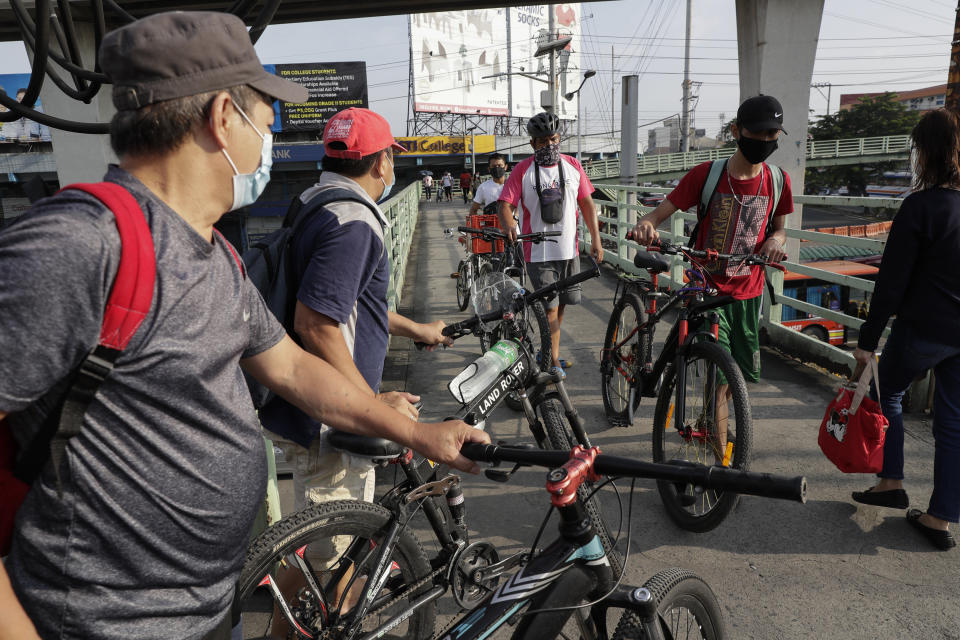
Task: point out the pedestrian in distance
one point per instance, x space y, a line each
161 486
427 186
465 181
549 190
746 213
919 283
447 182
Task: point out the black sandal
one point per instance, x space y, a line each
893 499
940 539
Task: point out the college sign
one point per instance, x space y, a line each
446 145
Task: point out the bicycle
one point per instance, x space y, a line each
386 564
471 267
510 262
685 378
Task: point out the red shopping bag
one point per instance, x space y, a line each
853 428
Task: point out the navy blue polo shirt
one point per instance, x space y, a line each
339 257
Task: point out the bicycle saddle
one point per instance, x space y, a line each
365 446
651 262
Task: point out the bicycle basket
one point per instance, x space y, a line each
494 291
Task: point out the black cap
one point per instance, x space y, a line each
185 53
760 113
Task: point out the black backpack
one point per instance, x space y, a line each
270 268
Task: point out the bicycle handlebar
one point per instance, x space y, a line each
494 232
755 483
462 328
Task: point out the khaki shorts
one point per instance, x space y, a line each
323 474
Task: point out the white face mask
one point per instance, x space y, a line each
387 187
247 187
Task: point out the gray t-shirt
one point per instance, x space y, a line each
166 477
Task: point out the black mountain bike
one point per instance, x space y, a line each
383 583
694 379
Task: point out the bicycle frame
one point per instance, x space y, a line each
577 549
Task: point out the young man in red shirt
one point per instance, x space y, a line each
741 217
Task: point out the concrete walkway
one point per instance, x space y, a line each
828 569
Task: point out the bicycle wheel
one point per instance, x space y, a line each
560 438
625 351
464 280
698 439
358 528
687 606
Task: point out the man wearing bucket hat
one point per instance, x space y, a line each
161 486
342 268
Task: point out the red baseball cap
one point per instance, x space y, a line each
361 130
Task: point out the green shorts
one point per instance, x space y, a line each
740 335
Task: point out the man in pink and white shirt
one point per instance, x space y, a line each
550 190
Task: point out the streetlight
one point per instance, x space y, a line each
589 73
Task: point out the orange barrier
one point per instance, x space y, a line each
858 231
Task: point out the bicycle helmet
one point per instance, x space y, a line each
543 125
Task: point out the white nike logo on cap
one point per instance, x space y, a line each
777 115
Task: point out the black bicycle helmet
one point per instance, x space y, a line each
543 125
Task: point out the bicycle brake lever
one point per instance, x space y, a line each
499 475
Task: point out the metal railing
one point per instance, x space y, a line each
401 211
620 215
816 150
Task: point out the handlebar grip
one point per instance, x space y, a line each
449 330
469 230
583 276
757 483
551 234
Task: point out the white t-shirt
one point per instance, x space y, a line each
447 181
487 193
428 181
520 191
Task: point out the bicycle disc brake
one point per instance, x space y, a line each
467 592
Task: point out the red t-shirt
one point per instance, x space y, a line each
729 227
465 180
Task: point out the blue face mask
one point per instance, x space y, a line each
387 187
247 187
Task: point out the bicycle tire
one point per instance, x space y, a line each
464 281
560 438
534 319
709 508
628 359
680 595
322 521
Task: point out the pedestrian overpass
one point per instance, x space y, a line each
820 153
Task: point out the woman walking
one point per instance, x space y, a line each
919 283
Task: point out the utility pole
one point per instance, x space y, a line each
551 27
818 86
685 121
953 76
613 75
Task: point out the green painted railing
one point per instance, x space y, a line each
401 211
816 150
619 215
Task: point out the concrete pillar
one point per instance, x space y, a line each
80 157
777 43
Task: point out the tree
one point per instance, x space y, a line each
874 116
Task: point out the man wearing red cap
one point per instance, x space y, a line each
342 267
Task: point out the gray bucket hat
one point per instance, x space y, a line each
184 53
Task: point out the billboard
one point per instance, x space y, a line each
526 22
452 51
446 145
333 87
22 130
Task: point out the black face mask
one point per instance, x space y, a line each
497 172
756 151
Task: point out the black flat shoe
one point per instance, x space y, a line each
940 539
894 498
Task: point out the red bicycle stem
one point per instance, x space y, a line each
562 483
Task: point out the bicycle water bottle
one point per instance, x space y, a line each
480 374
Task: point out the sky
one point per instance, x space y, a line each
865 45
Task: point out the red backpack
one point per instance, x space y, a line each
45 427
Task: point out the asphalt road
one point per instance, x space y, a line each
827 569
